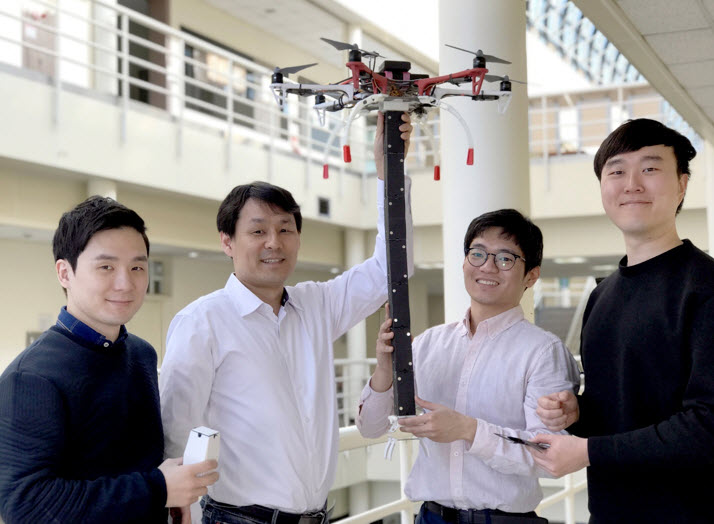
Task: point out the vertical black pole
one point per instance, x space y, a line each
396 232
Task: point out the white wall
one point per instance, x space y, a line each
87 141
31 294
567 187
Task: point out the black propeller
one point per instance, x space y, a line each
496 78
278 72
342 46
481 59
292 69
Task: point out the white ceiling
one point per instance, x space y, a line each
671 42
298 21
303 22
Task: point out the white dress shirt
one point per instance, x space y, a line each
267 382
496 377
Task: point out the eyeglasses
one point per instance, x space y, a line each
504 260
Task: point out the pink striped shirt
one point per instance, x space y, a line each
496 377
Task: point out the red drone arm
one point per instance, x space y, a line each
426 85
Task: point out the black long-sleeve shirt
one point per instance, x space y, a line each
80 431
648 404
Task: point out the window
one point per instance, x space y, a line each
156 278
568 130
213 70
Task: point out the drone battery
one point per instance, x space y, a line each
203 444
396 67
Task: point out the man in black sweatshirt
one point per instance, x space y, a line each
645 421
81 438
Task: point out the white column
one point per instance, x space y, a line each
105 188
418 305
359 498
354 35
406 462
528 305
564 288
357 336
499 176
708 171
175 71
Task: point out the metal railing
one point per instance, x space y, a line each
549 292
578 122
137 61
350 438
351 375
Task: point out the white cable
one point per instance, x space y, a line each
461 120
391 441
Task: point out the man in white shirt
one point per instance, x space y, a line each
477 379
254 360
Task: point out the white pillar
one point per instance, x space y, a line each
499 177
418 305
708 171
357 336
354 35
564 288
105 188
406 462
528 305
359 498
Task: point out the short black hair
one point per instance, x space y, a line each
635 134
274 196
515 227
77 226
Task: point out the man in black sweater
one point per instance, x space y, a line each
645 421
81 438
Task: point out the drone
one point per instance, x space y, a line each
393 88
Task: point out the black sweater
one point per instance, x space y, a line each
648 404
80 433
